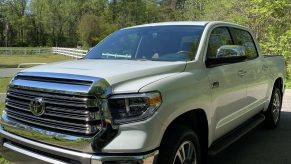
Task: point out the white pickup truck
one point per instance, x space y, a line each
165 93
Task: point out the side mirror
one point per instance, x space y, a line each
229 51
227 54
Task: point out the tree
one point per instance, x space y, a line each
271 21
14 13
88 29
59 22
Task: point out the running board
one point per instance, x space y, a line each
235 135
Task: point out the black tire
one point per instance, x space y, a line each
178 137
273 112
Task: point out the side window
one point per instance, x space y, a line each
244 38
219 36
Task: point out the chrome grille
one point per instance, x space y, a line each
63 112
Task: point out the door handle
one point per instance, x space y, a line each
215 84
242 73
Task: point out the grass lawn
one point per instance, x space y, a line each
1 107
12 61
4 83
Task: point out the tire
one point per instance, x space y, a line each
180 138
273 112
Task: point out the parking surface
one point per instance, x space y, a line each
261 145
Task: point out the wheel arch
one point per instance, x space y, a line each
196 119
279 82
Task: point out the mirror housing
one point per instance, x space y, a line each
227 54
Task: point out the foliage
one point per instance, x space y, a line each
70 23
288 84
271 19
88 29
3 161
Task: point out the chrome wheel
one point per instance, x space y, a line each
276 107
186 154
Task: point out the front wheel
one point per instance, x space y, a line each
273 112
180 146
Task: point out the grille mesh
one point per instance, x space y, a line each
63 112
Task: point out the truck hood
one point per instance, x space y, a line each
116 72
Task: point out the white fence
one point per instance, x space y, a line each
73 52
24 50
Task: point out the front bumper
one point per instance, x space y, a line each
21 150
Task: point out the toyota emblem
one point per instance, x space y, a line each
37 106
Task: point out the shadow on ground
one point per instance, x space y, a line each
260 146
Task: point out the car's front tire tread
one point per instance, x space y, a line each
177 135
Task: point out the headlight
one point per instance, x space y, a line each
133 107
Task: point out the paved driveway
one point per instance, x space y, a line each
261 145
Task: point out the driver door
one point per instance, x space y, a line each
227 84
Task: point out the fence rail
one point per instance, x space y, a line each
73 52
24 51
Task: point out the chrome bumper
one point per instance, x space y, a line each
21 150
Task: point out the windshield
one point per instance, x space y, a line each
160 43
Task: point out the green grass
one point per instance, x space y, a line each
1 107
12 61
4 83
